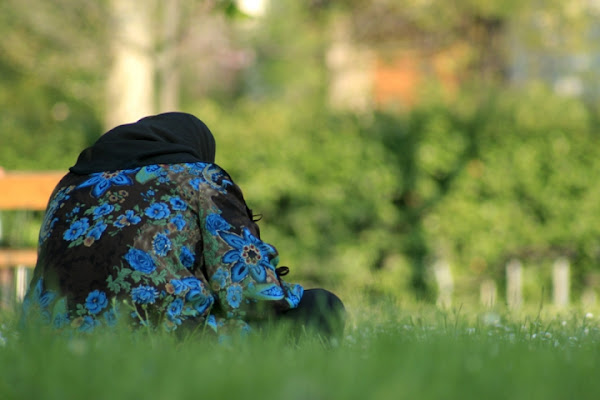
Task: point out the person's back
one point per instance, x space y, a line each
164 240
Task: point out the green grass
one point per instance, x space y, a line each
416 353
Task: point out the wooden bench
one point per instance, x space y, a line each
21 190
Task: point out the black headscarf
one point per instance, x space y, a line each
167 138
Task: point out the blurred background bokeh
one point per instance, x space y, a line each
430 150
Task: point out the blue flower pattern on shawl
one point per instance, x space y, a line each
176 252
186 257
234 295
216 223
158 211
76 229
102 210
88 324
140 261
96 301
144 294
174 310
129 218
39 300
249 255
102 181
161 244
178 221
97 230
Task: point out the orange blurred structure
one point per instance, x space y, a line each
399 77
21 191
27 190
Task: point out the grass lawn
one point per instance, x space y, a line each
415 353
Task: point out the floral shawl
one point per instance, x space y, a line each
164 245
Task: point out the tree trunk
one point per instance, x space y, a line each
130 91
168 96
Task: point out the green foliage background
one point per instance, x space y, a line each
360 200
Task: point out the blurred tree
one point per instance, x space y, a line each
130 85
49 85
59 44
505 39
494 33
303 164
365 199
66 70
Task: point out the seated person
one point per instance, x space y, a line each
147 229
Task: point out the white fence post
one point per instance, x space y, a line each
589 296
514 284
21 282
488 292
560 282
443 277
